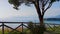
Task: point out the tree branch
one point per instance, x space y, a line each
46 2
47 8
37 7
43 7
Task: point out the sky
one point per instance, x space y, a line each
7 13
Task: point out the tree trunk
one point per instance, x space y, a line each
42 27
39 12
41 20
40 16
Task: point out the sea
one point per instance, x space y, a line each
53 22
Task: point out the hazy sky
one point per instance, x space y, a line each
7 11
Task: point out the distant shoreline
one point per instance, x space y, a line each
52 19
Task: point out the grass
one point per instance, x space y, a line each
56 30
7 30
27 31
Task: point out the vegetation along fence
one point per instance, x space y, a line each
49 26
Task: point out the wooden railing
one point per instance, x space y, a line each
48 25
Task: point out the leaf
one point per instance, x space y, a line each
52 1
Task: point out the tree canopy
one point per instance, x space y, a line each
17 3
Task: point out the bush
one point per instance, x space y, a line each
36 29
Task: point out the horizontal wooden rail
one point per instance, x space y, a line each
23 24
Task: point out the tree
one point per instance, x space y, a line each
41 6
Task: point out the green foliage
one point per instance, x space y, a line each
16 3
56 30
52 1
36 29
15 32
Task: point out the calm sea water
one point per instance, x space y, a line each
54 22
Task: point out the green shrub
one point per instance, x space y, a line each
36 29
